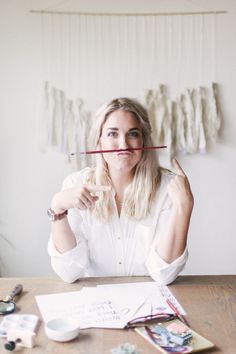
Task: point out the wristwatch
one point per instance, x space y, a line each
54 217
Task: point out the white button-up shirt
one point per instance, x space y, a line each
120 247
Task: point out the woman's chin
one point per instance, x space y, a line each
124 167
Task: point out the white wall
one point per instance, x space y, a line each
29 176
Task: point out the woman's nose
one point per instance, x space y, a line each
123 142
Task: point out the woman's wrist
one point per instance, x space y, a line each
55 205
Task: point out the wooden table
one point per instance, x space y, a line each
210 302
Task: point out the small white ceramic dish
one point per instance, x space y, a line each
62 329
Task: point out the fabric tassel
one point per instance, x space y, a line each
61 118
69 127
188 110
81 133
161 114
168 130
212 117
180 140
209 113
199 128
218 109
78 134
150 103
184 125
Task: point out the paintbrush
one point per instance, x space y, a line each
118 150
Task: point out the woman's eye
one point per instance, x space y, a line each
112 134
134 134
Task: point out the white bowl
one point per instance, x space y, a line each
62 329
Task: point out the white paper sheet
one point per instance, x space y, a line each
91 307
147 298
127 298
108 306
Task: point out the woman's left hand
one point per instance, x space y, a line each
179 189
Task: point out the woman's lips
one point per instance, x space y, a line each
125 153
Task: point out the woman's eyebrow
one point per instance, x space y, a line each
116 129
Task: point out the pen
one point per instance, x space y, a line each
119 150
176 311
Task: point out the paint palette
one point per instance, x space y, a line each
22 322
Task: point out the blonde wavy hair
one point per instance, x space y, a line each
140 193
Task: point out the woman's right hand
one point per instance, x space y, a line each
78 197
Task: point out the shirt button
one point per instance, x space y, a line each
118 237
120 262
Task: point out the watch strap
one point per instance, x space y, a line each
54 217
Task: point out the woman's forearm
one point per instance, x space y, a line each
172 241
80 197
62 235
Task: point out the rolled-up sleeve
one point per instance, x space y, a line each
71 265
162 272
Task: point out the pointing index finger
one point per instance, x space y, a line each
178 168
98 188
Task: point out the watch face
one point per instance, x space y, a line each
53 217
51 214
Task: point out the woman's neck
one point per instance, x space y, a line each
121 180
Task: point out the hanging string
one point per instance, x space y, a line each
43 49
141 40
101 52
80 54
111 58
153 52
76 55
135 62
61 51
201 50
214 53
58 44
146 56
123 54
161 51
165 44
43 101
86 54
182 57
190 48
127 56
170 46
178 46
52 42
70 76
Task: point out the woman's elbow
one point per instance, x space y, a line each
163 279
67 275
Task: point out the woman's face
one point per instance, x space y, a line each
121 130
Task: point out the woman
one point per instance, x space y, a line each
127 216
